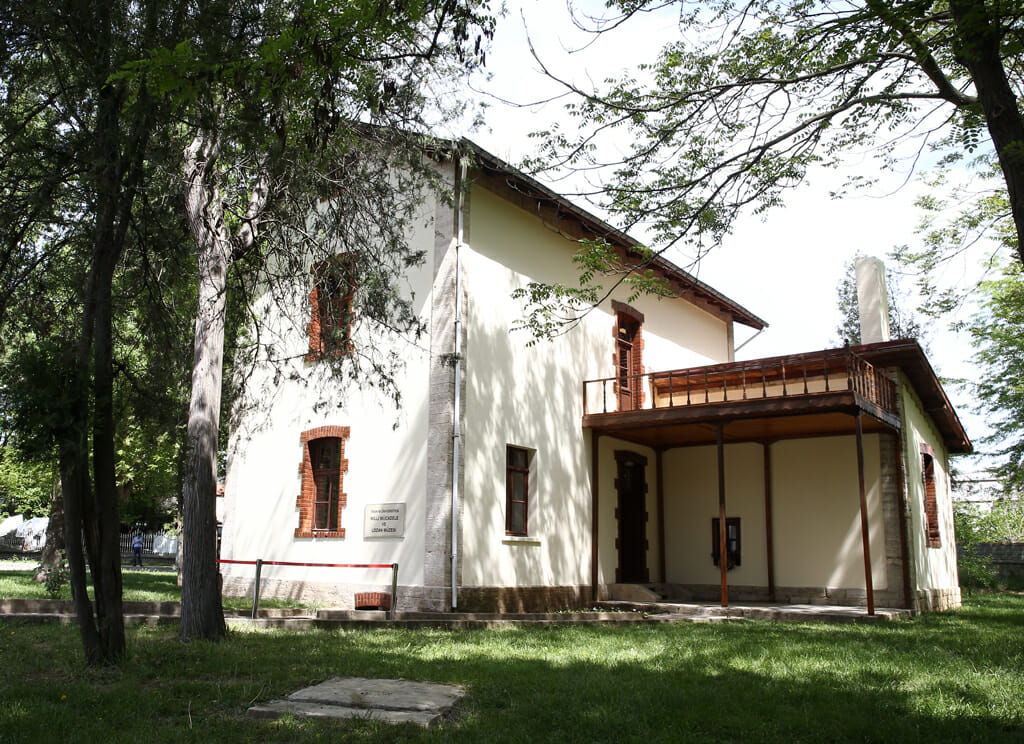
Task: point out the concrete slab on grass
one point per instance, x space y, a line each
389 700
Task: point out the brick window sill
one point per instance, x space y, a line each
320 533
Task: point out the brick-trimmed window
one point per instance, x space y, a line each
931 500
331 314
629 350
323 478
517 489
732 541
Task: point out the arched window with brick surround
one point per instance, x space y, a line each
323 469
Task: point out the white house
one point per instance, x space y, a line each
624 452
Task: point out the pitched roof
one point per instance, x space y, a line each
545 201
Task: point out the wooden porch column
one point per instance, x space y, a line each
864 516
595 502
769 545
659 487
723 556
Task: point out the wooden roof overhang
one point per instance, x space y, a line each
910 358
762 420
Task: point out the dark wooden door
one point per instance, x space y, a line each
631 514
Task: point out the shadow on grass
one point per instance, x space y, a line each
952 677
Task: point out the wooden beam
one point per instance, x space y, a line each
723 557
864 518
659 486
769 546
595 502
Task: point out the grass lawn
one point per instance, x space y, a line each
943 677
137 586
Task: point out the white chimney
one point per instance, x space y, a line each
872 300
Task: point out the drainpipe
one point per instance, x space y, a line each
457 419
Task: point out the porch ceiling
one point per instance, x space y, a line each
744 421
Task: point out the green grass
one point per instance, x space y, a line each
955 676
138 586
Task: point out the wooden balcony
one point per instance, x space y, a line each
759 400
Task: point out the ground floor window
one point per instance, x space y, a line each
517 489
732 541
931 501
323 469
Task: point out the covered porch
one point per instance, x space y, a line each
826 394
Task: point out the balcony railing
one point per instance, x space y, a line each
803 375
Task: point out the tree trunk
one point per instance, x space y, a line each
202 612
106 562
54 547
977 47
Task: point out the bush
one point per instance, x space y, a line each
57 577
976 571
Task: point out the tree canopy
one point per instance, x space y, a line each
754 93
137 134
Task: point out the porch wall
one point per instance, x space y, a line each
815 514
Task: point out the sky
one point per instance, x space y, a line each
785 265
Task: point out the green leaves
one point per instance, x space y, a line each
550 310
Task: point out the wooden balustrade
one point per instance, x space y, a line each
778 377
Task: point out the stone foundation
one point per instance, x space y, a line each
785 594
514 599
936 600
342 596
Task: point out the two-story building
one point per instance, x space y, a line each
633 449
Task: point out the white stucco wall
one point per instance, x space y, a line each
934 568
531 396
691 501
815 513
386 451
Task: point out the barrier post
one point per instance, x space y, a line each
256 588
394 590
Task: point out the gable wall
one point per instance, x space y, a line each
532 396
386 452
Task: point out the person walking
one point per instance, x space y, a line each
137 550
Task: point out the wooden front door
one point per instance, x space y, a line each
631 515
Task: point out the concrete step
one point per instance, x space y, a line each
388 700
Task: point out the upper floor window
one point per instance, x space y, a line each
628 355
330 326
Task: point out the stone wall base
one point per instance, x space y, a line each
339 596
515 599
523 598
822 595
936 600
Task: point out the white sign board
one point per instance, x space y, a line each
384 520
